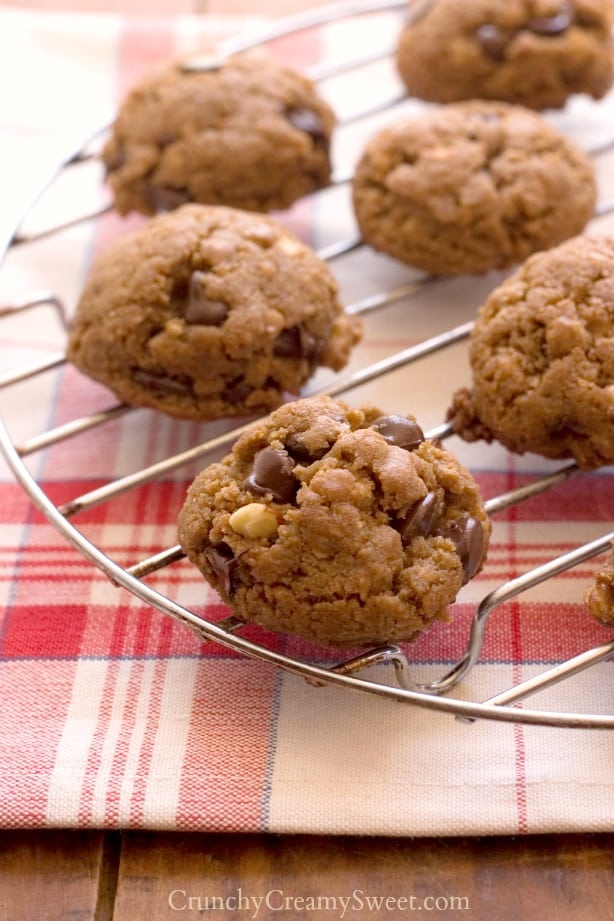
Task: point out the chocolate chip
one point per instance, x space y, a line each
224 565
166 138
272 473
399 431
467 535
295 342
493 40
166 198
200 308
419 520
179 292
310 123
300 453
552 25
237 391
161 382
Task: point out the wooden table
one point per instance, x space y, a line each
128 876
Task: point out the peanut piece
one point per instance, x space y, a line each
254 520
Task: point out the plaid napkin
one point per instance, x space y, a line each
113 714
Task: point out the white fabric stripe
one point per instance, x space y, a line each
69 771
171 739
399 764
112 735
140 728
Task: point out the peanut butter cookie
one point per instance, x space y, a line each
470 187
340 525
535 53
542 358
243 131
208 312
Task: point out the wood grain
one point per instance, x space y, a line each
569 878
55 875
112 876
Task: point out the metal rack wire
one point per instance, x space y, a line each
227 632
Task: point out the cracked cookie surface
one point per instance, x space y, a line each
208 312
470 187
535 53
542 358
340 525
246 131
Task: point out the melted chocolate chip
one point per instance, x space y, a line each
467 535
419 520
199 308
399 431
237 391
166 138
166 198
563 429
493 40
552 25
295 342
310 123
302 454
162 383
272 473
224 565
179 292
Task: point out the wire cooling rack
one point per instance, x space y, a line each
355 672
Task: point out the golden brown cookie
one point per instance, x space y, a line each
599 598
535 53
208 312
245 131
470 187
340 525
542 358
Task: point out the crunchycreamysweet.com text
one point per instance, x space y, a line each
336 907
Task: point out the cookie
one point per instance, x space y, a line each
208 312
244 131
599 598
470 187
340 525
535 53
542 358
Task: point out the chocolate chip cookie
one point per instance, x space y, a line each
535 53
208 312
599 598
244 131
542 358
341 525
470 187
